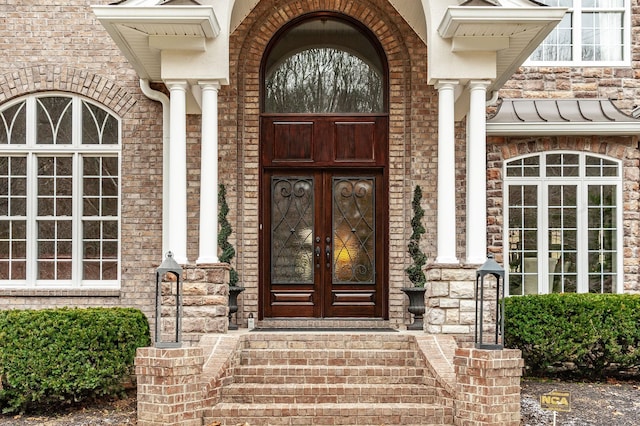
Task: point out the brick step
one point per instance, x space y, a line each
334 357
303 374
254 393
315 340
331 414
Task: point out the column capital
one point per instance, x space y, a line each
209 84
479 84
444 84
177 84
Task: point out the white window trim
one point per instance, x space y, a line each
76 150
582 253
577 45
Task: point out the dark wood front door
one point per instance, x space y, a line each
324 216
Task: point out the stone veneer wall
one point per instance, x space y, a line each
619 83
205 301
623 148
450 299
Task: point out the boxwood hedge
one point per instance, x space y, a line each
59 356
590 336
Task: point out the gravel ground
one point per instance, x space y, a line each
592 404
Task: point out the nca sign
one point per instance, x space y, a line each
556 401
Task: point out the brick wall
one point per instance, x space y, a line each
412 139
59 45
488 387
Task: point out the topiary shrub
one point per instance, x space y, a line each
590 336
227 252
60 356
415 270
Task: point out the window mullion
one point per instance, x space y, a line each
30 129
32 215
582 266
543 240
576 30
76 221
619 287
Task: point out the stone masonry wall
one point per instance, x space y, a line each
450 300
622 148
622 84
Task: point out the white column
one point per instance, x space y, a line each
477 173
178 171
446 172
209 174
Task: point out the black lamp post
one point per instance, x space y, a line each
173 272
490 268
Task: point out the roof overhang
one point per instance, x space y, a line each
513 33
561 117
142 32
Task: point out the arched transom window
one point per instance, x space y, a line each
59 193
563 221
324 65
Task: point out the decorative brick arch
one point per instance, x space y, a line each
247 46
65 79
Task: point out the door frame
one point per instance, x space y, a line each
381 154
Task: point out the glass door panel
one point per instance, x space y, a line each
292 223
353 230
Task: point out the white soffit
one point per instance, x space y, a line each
413 12
133 27
512 32
241 9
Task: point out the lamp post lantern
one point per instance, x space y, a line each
490 269
172 270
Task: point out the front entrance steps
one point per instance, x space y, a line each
330 378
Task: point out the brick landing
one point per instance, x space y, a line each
328 378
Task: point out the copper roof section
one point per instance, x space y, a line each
561 116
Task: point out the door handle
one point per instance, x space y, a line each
327 252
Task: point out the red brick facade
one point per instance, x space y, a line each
60 46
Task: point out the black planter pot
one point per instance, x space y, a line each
416 306
234 291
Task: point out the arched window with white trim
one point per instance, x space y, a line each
59 193
563 223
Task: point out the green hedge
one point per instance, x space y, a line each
575 335
59 356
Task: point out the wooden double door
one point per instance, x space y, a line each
324 217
